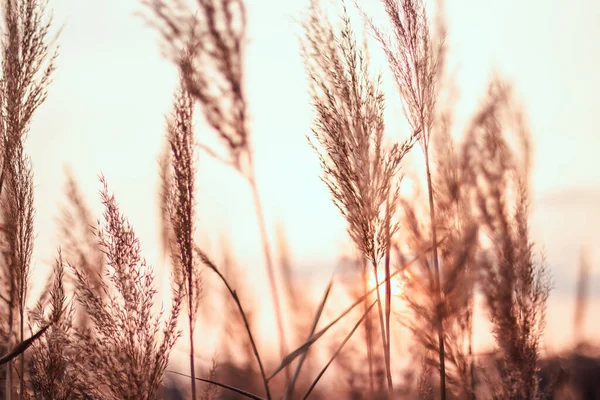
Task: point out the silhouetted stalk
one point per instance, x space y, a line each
388 290
11 327
388 373
359 170
192 367
416 66
190 296
191 328
178 187
9 379
368 329
127 347
208 47
21 358
27 67
515 285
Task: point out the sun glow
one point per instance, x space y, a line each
397 286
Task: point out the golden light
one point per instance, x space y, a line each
397 286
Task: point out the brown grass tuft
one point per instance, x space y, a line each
124 349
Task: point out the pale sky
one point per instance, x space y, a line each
105 114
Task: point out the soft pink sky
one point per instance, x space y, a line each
106 107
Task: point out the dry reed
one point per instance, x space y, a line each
416 64
125 348
180 203
515 284
27 67
207 44
358 169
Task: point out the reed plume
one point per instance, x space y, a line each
18 209
127 347
358 170
27 67
180 203
207 44
515 284
416 64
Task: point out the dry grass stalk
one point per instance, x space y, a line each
164 194
180 203
27 67
515 285
457 256
456 262
416 65
20 348
18 219
388 281
368 328
123 348
207 45
357 168
457 259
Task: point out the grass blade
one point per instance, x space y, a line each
21 347
206 261
304 347
290 389
223 385
339 349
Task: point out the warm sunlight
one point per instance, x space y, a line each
397 283
180 179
